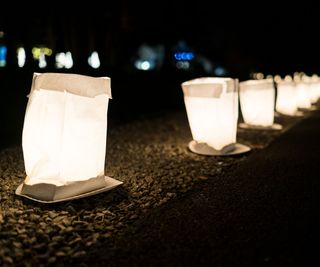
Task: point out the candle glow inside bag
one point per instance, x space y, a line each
257 101
64 137
212 109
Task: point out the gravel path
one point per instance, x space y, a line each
149 155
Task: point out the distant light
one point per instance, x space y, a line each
206 64
144 64
184 56
184 65
94 60
42 61
21 55
37 51
40 53
148 57
69 60
220 71
64 60
60 60
3 56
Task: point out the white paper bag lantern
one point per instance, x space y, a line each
303 95
303 91
315 88
286 102
212 110
257 101
64 137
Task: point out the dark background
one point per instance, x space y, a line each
264 36
243 38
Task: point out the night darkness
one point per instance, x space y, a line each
262 37
241 39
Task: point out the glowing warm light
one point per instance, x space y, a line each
315 88
259 76
64 136
277 78
94 60
257 98
296 74
286 102
303 93
212 110
288 78
21 55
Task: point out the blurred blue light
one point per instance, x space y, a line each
3 55
184 56
220 71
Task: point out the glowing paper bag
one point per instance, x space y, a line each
64 137
257 99
212 109
286 102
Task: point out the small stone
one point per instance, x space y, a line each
34 217
61 226
21 221
133 217
60 254
52 214
71 210
79 254
8 259
52 259
88 244
17 244
57 238
202 177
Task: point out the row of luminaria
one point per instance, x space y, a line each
65 126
